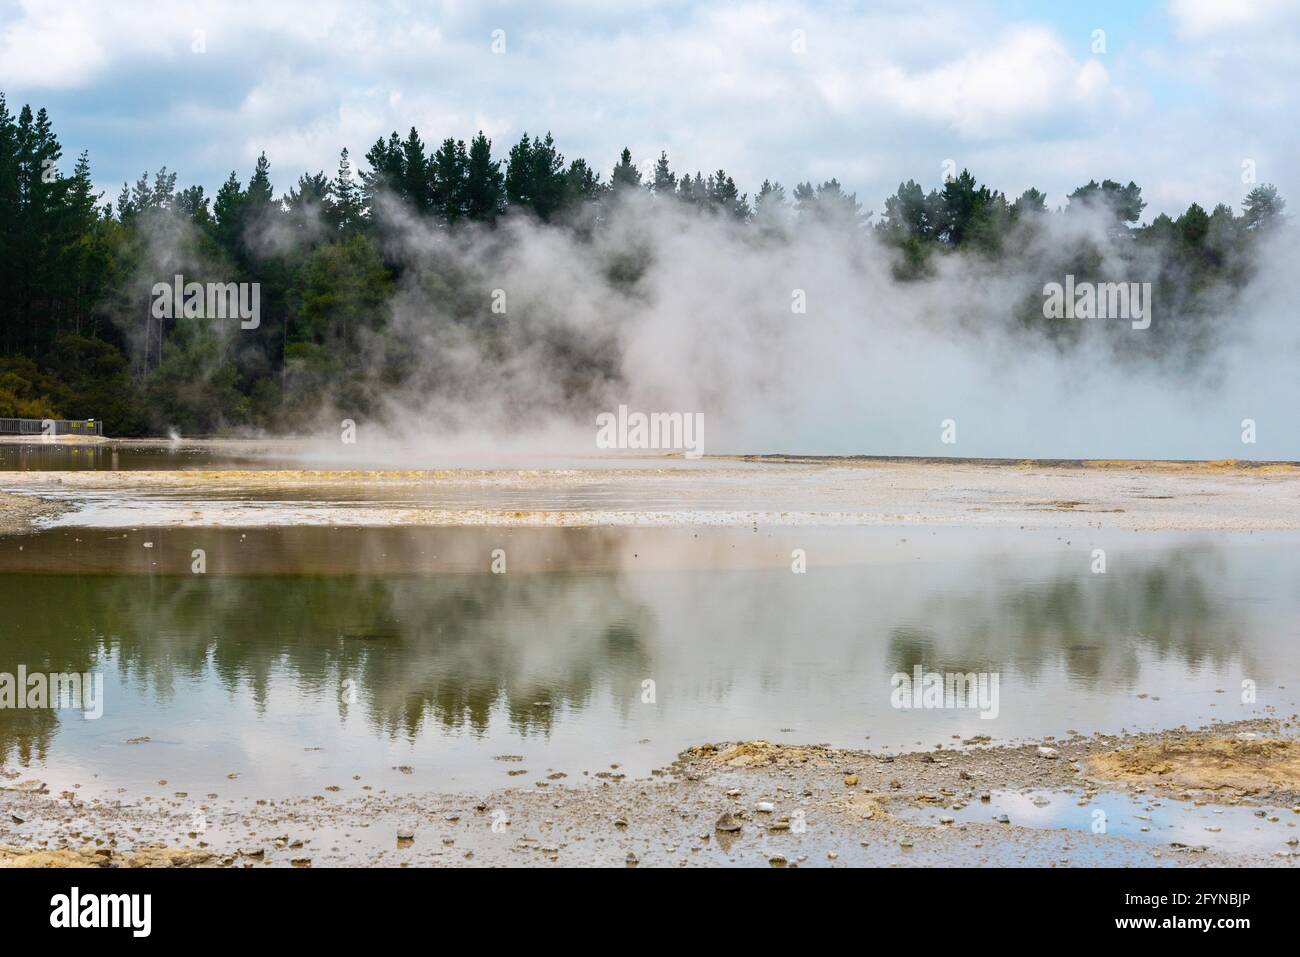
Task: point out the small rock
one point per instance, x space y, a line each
727 823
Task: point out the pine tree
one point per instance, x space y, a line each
347 201
259 198
385 176
582 184
485 188
1263 207
193 204
1028 204
535 177
451 181
770 210
665 181
228 208
693 192
311 199
723 196
416 183
625 175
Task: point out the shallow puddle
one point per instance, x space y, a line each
1179 825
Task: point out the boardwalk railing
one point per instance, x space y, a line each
40 427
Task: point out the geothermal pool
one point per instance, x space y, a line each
299 659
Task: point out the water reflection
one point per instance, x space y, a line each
70 457
294 634
1174 603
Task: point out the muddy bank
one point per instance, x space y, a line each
1138 496
1205 764
746 804
104 857
22 513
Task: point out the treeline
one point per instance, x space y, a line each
77 338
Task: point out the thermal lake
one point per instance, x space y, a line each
288 660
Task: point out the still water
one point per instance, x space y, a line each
289 660
58 457
255 455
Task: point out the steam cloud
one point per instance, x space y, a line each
665 309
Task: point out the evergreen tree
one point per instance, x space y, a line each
228 209
346 212
485 186
76 337
828 204
665 181
908 213
385 176
582 185
1120 205
1263 207
450 169
964 203
311 202
191 203
259 198
417 176
625 174
1028 204
535 177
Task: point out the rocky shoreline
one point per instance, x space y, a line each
1236 786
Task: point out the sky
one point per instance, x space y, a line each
1189 98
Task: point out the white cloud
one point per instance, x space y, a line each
1199 18
1028 74
884 91
50 47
